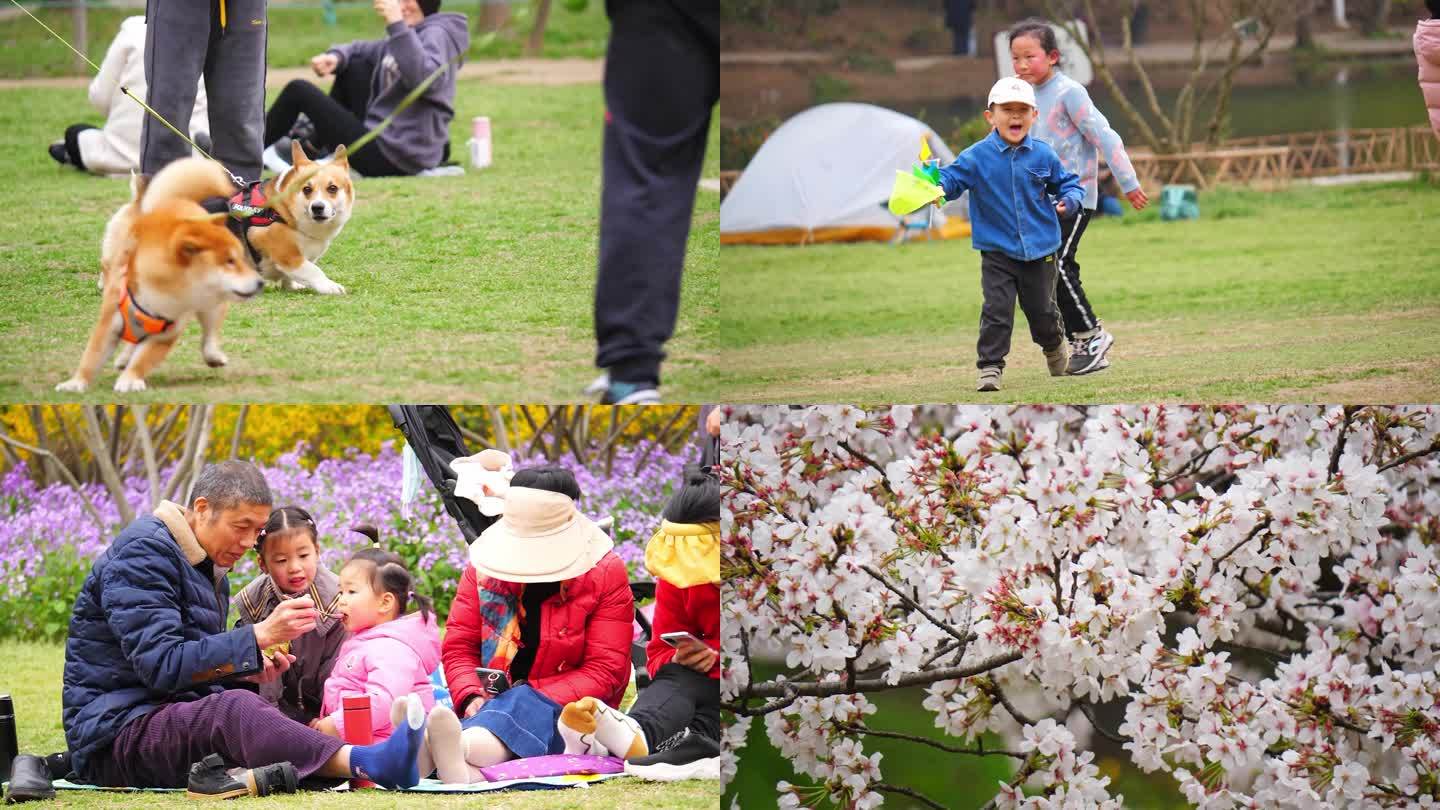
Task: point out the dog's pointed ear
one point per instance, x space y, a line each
341 157
297 154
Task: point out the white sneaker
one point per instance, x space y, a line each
273 161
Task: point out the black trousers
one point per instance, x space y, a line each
1002 280
72 143
1075 308
662 80
678 698
184 41
339 117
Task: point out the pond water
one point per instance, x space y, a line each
1331 96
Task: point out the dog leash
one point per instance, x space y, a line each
239 183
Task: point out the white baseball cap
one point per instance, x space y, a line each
1012 88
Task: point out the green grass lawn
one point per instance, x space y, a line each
298 32
1310 294
477 287
31 673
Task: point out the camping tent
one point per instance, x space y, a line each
825 176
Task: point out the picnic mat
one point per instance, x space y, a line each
425 786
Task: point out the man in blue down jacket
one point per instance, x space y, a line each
148 661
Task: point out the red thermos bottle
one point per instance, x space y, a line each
357 727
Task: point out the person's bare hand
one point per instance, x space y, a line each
275 667
1138 199
712 421
291 619
473 707
1060 208
324 64
389 11
696 655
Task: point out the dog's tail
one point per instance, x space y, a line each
192 179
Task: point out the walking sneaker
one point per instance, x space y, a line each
686 755
209 779
1089 351
1057 359
274 159
989 379
624 393
57 151
58 764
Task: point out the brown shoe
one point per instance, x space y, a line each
1058 359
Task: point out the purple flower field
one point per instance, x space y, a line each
47 538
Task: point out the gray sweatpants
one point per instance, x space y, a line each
1002 279
183 40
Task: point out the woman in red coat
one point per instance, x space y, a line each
678 714
546 601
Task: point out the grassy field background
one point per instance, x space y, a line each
1304 295
461 288
31 673
299 32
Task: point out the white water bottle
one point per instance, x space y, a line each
480 142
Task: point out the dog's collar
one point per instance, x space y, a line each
137 324
250 206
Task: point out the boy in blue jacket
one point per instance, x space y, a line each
1012 179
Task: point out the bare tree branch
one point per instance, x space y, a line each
64 472
1405 459
147 453
884 787
499 428
812 689
954 749
913 605
239 432
108 474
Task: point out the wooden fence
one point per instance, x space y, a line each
1276 159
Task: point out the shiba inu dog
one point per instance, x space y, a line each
288 227
164 259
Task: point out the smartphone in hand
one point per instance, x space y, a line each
674 639
495 680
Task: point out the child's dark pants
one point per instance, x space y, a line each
1002 279
678 698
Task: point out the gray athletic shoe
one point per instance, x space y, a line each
1088 354
989 379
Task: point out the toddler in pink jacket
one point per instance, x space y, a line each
1427 53
391 652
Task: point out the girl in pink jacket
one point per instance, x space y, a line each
391 653
1427 53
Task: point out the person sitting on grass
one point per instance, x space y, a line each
148 697
1011 178
115 147
289 552
392 651
678 714
419 39
546 601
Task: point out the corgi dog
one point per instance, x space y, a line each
291 219
163 260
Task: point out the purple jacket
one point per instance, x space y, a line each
385 662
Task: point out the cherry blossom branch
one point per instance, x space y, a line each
1405 459
1259 527
884 482
1088 710
978 750
963 638
815 689
1350 411
911 792
1196 462
1010 707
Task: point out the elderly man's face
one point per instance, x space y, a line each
227 535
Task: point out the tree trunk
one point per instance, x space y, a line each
79 35
1375 20
493 16
536 45
1304 25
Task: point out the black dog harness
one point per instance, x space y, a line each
248 208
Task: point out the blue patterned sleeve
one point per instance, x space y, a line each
958 176
1095 128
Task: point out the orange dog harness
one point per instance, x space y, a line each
137 324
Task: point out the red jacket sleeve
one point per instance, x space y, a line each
605 669
674 609
460 651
